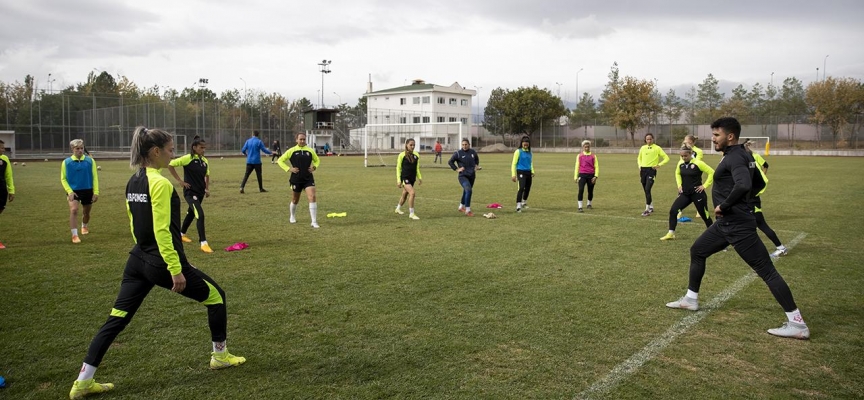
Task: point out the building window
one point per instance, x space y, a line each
452 101
415 100
403 101
440 119
441 100
464 102
464 121
426 99
387 117
425 120
403 120
416 120
452 119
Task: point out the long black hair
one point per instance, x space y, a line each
196 141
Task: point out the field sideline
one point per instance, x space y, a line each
548 303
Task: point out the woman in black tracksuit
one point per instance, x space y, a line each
688 175
196 186
157 259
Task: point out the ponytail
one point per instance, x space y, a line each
143 140
196 141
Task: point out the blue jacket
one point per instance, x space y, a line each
252 150
467 159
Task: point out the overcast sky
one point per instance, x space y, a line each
275 46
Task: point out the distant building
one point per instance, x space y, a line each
416 111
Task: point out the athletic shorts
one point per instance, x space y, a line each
408 181
4 195
85 196
300 187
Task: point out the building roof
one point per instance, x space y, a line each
421 87
409 88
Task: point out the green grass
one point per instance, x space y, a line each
541 304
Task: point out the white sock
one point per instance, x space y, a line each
398 206
203 242
795 316
781 247
313 212
580 204
692 295
467 209
219 347
87 372
518 204
461 206
671 232
651 206
647 207
293 208
411 210
75 232
83 225
589 202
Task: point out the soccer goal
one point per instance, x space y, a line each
381 139
758 142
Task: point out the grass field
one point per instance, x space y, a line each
546 304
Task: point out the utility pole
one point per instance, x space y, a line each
325 69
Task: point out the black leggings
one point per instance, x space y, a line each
647 175
762 225
194 211
741 234
524 183
138 278
249 168
583 180
699 200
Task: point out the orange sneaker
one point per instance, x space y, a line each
76 239
2 246
461 209
185 239
84 230
469 214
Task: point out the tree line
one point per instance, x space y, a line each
630 103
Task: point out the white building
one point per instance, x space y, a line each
423 111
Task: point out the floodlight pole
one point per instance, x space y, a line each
578 95
824 66
244 102
325 69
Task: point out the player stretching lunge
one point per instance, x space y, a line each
688 175
736 182
304 162
157 259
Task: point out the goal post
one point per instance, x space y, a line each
391 137
758 142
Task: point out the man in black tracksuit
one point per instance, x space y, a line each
736 182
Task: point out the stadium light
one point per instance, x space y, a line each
824 66
325 69
578 96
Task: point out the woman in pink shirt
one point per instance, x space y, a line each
587 170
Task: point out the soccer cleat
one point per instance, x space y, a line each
315 225
645 213
589 207
2 246
81 389
469 214
206 248
413 216
292 220
400 212
669 236
685 303
651 210
581 210
84 230
262 190
524 205
680 214
792 330
185 239
781 251
519 209
76 239
242 191
225 360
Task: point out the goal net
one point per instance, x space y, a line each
381 142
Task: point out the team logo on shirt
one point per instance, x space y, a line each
692 166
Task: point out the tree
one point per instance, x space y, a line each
607 106
792 104
691 103
493 114
635 102
584 114
738 105
522 111
833 102
672 108
709 99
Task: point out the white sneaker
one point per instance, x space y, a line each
316 226
685 303
293 220
792 330
400 212
413 216
781 251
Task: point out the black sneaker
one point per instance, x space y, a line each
589 206
580 209
241 191
263 190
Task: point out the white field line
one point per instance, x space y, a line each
628 367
